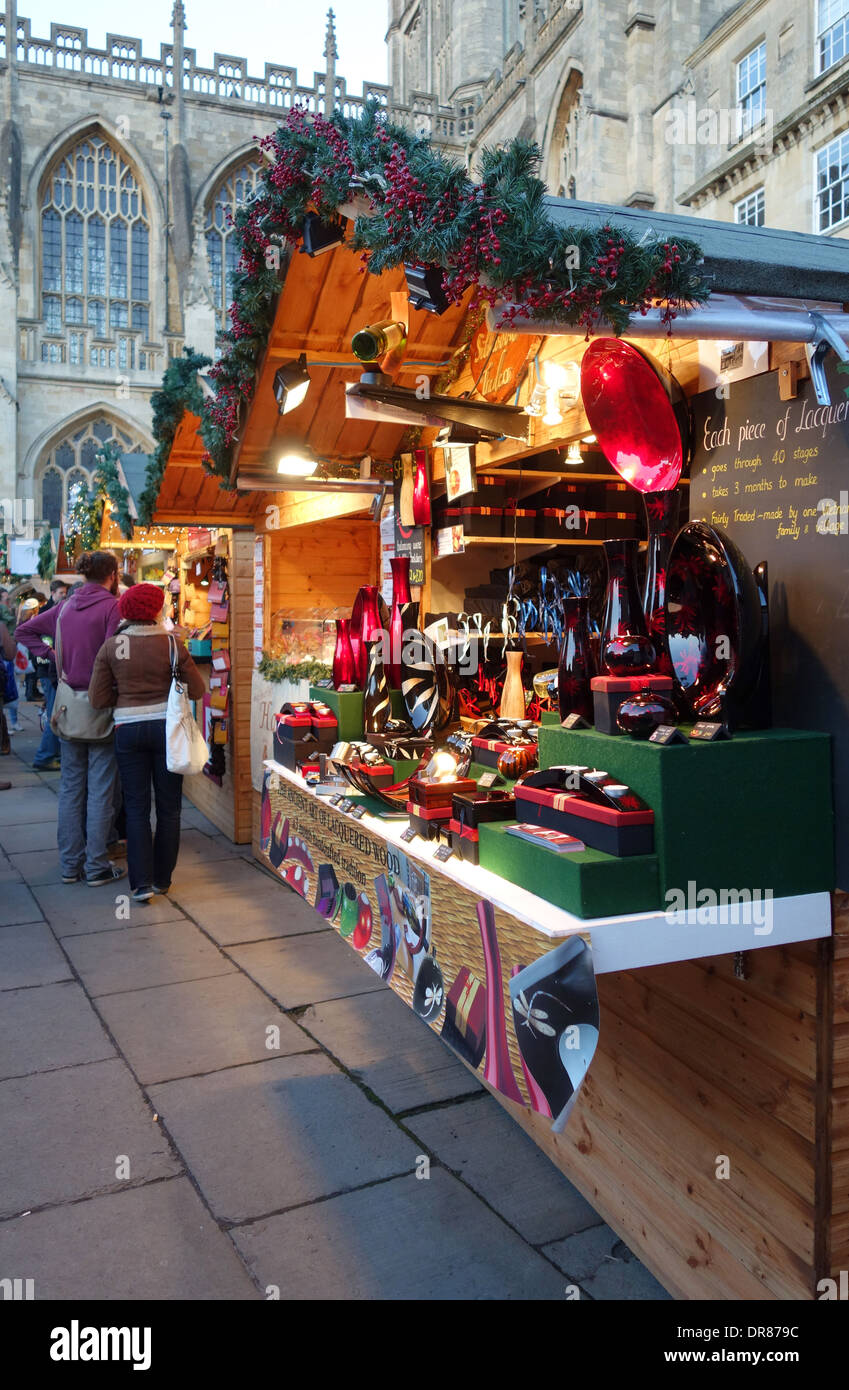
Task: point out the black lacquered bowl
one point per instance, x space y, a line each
715 623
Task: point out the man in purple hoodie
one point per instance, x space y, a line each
89 774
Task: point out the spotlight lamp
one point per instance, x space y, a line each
293 464
424 286
574 458
321 236
291 383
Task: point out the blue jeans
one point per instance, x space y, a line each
87 788
140 750
48 749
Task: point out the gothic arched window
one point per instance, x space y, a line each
71 459
95 244
221 249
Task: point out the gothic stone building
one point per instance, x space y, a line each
115 244
730 111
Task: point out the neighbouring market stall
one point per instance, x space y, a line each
619 912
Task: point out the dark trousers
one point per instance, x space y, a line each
140 750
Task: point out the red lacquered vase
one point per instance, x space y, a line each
497 1071
576 666
400 566
344 665
662 517
421 489
366 623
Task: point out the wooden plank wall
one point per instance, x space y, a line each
313 570
229 806
839 1254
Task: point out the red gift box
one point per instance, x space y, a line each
610 691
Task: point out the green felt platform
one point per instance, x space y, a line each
588 884
348 708
753 811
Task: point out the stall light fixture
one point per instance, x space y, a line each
291 383
424 286
588 439
320 236
401 405
293 465
536 402
553 415
461 437
574 457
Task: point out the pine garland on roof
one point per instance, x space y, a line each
181 391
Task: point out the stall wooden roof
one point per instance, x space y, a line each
323 302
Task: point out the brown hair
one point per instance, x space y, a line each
97 565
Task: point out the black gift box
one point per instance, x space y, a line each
619 833
472 810
610 691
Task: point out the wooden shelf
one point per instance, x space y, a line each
539 542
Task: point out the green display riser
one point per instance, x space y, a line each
348 708
750 812
587 884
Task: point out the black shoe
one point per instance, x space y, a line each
110 875
73 878
162 891
143 895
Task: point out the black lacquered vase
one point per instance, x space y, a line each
419 683
625 645
376 703
576 666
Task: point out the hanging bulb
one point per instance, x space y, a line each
536 404
573 454
552 414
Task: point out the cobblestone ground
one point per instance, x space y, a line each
154 1145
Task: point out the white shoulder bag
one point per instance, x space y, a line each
185 746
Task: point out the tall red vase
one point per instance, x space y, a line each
400 566
366 623
421 489
344 665
576 666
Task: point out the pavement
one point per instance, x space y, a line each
211 1097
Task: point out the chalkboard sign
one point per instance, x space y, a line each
774 474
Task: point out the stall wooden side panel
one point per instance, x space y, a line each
314 570
839 1254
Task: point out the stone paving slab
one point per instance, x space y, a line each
8 872
17 904
198 847
306 969
30 956
276 1134
27 804
18 839
200 1026
61 1133
53 1026
604 1266
422 1239
160 954
384 1044
483 1145
38 866
206 878
233 917
76 909
152 1242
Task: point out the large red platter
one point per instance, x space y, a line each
627 401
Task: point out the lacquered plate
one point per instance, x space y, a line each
638 413
714 618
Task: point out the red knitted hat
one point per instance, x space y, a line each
142 603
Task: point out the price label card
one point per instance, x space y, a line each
666 734
346 689
326 684
346 805
708 732
335 799
408 835
574 721
443 853
488 779
358 812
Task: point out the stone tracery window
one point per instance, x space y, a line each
221 249
71 459
95 244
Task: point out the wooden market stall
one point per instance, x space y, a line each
711 1129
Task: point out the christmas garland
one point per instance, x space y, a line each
107 481
492 239
85 513
181 391
46 563
274 668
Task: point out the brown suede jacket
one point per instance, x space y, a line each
133 669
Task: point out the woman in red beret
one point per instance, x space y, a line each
132 672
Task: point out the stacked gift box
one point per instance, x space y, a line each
429 803
471 810
302 732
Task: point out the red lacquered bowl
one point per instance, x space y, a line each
638 413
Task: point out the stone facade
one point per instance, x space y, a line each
86 327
